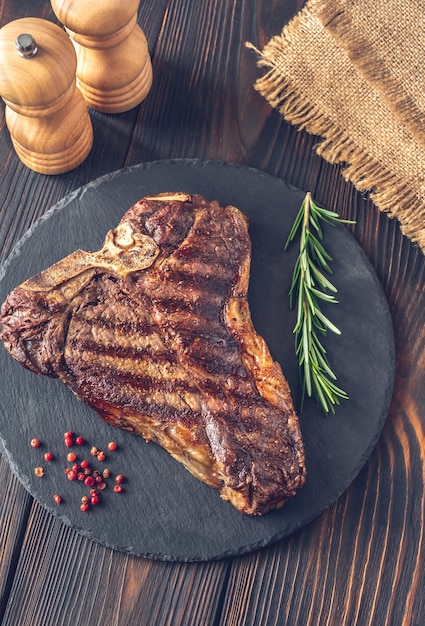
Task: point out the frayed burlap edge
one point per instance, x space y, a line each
387 191
358 50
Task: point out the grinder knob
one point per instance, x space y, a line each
26 45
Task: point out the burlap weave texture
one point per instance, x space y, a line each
353 73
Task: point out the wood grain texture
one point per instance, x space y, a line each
86 583
362 561
14 511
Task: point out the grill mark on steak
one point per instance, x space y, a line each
164 374
154 333
120 328
123 353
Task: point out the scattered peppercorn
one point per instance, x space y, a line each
93 478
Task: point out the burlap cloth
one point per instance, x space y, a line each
353 73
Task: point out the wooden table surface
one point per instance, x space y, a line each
362 561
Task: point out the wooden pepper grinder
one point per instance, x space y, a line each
45 113
114 70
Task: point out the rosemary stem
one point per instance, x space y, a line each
309 287
307 205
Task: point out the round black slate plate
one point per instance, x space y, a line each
165 513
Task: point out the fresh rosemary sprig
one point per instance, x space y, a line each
309 288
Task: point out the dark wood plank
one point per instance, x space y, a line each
199 105
362 561
27 8
64 578
15 505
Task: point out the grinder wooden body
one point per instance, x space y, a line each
45 113
114 70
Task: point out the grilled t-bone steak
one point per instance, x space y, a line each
154 332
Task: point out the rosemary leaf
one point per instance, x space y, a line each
321 278
327 322
327 297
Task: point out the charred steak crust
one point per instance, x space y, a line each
154 332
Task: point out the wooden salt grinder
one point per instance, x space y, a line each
114 70
45 113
